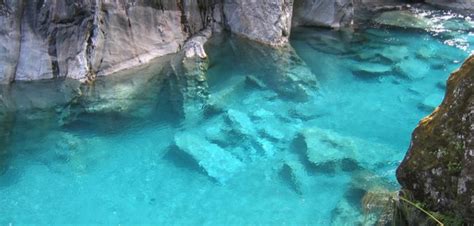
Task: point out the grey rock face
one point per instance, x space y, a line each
83 39
264 21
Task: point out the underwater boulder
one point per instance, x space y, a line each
431 102
412 68
438 168
240 122
324 146
370 70
294 174
279 69
215 161
403 19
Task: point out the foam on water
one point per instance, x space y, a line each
294 163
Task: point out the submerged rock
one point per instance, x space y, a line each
412 69
293 173
187 76
218 163
277 68
324 146
431 102
327 148
439 166
403 18
370 70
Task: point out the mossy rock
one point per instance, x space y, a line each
439 165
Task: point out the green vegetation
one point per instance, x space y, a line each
395 208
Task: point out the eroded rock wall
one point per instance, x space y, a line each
439 166
82 39
264 21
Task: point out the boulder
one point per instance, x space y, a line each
294 174
439 165
370 70
215 161
323 146
402 18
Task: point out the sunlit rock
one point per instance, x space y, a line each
218 163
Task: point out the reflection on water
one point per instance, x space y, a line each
290 136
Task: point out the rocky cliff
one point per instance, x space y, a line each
439 166
82 39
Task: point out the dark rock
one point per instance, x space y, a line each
439 166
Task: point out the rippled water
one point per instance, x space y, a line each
264 157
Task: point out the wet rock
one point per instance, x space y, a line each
327 148
293 173
324 146
370 70
187 76
425 53
438 167
240 122
132 92
218 163
280 69
395 53
404 19
412 69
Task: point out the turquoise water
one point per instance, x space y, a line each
265 157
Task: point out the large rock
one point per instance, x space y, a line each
50 39
277 68
439 166
264 21
217 162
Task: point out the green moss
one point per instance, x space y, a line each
454 167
